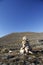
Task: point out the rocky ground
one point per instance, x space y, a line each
15 58
13 42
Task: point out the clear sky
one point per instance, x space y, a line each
21 16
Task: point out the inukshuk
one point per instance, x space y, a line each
26 48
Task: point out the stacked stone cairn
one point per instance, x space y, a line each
26 48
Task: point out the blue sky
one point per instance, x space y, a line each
21 16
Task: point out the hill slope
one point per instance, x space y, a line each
13 40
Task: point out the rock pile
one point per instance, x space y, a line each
26 48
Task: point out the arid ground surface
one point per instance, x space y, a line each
13 42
